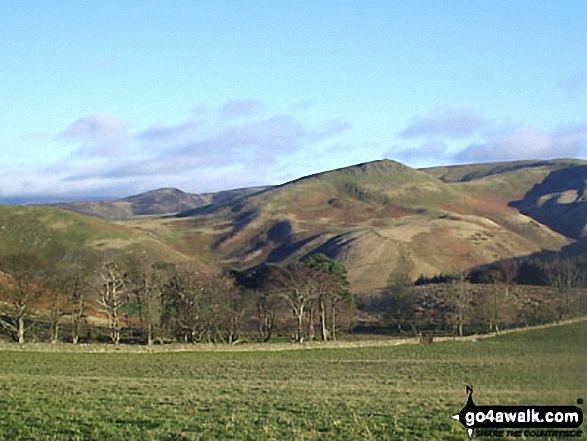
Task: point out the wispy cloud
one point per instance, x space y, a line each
257 144
99 135
100 125
452 123
201 153
462 135
433 151
525 143
239 108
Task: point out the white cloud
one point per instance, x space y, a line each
451 123
99 135
434 151
462 135
204 154
526 143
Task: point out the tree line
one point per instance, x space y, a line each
87 297
510 292
148 302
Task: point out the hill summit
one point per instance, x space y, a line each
367 215
445 219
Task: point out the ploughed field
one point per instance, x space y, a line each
381 392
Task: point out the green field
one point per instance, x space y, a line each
391 392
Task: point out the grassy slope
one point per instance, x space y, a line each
48 230
158 202
469 172
363 215
449 219
373 393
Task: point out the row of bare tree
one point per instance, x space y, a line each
170 302
494 301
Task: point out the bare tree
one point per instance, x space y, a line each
146 283
496 306
112 296
22 290
398 297
235 305
565 276
147 287
460 299
77 302
268 302
296 284
182 298
57 303
80 270
261 285
70 275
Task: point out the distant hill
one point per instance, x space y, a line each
446 219
365 215
159 202
469 172
50 232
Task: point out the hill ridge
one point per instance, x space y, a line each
368 215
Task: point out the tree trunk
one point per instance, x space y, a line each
323 321
300 329
333 321
268 325
150 333
311 324
77 314
55 331
20 330
115 327
75 327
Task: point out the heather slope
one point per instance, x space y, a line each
446 219
365 215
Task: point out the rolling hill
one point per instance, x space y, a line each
447 219
52 232
159 202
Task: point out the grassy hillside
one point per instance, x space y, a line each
447 219
50 231
559 201
369 393
469 172
365 214
156 202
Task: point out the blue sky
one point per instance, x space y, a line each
111 98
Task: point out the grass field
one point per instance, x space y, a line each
384 392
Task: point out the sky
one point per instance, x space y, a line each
104 99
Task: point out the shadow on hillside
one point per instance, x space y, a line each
559 201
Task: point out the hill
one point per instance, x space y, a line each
559 201
50 231
446 219
159 202
469 172
367 215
